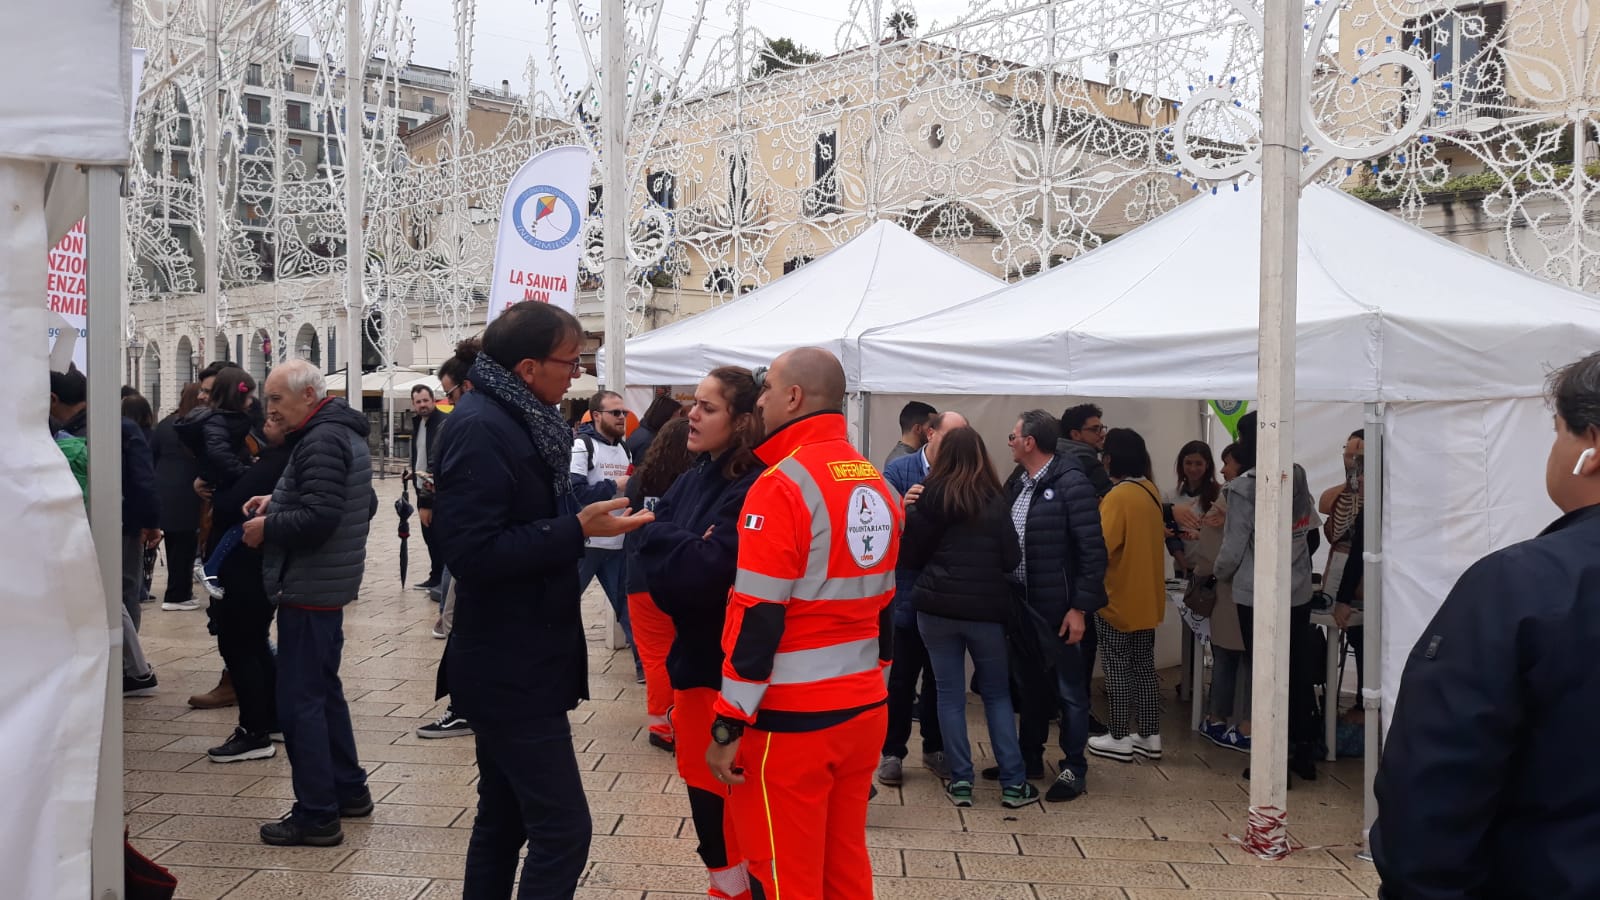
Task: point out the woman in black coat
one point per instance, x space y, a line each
689 556
176 471
959 533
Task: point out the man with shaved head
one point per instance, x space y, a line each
801 715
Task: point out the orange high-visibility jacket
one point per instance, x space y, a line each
807 637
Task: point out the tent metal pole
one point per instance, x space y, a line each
1280 212
103 249
614 72
1372 614
355 254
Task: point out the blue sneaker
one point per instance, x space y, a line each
1215 732
1233 740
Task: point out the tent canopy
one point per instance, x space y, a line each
883 275
1387 312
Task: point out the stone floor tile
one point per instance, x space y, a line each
138 823
665 850
1036 869
919 839
646 877
409 863
1154 894
198 883
419 773
276 764
944 889
254 856
1059 819
1158 850
930 864
327 886
1072 892
455 796
1282 880
445 889
1303 859
188 783
1205 829
648 826
132 800
213 829
639 782
133 740
363 836
946 819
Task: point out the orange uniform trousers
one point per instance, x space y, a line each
708 797
653 632
801 815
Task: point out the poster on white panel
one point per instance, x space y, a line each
67 299
541 226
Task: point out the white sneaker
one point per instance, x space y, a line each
1147 747
185 606
1119 749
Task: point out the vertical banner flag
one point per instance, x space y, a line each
541 225
67 299
1230 412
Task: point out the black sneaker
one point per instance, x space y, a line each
1068 787
428 585
292 832
357 807
242 746
1032 769
139 687
662 742
447 725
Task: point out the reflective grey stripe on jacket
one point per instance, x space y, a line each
804 667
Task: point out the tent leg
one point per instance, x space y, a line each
1372 616
105 508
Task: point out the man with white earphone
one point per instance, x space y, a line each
1484 790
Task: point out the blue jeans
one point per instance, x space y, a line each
611 567
225 544
529 794
948 642
313 713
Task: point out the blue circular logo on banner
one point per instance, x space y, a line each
1228 407
545 217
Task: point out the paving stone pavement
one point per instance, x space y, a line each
1143 832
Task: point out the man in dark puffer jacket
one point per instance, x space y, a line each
1062 576
314 529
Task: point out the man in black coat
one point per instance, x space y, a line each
313 531
1062 578
424 455
1484 792
512 535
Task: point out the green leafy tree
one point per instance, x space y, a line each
780 54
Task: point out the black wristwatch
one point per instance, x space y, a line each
726 731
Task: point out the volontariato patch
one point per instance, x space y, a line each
869 527
753 522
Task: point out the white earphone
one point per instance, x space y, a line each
1582 458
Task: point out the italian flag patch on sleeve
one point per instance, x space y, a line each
753 522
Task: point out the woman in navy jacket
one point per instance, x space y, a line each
689 555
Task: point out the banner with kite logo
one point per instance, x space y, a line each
541 223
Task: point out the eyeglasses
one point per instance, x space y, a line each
576 363
1013 438
452 393
618 413
1098 429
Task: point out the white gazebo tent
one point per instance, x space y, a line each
885 274
61 769
1446 350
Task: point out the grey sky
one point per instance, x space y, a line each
508 31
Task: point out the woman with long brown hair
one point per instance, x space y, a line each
689 555
667 458
959 533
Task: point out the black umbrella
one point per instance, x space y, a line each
404 509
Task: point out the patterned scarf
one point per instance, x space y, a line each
551 436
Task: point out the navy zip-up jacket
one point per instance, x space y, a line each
689 575
1485 791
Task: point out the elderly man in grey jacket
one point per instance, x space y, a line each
313 531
